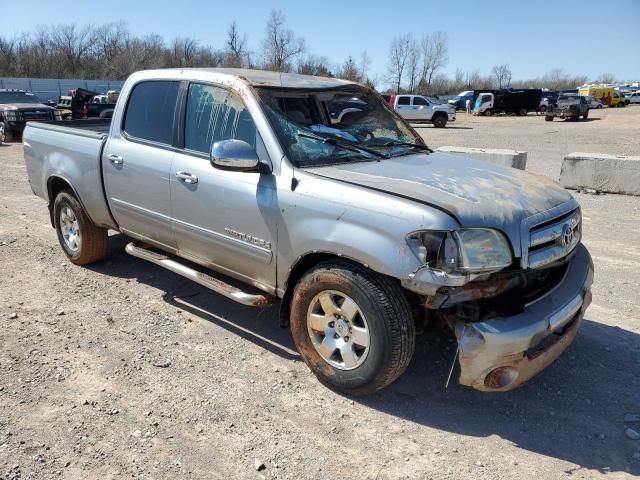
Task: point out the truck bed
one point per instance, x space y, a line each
93 126
69 151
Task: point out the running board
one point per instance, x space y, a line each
142 251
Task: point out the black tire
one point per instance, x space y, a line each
440 121
548 118
93 240
8 136
523 112
488 112
543 108
391 327
586 115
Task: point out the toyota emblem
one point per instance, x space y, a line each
567 235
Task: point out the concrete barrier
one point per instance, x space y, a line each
602 172
507 158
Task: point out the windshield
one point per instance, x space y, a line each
18 97
336 126
569 98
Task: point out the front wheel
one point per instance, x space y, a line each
586 115
488 112
548 118
543 108
440 121
80 239
353 328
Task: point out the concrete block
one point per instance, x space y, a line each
507 158
606 173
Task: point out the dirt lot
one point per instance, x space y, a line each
124 370
614 131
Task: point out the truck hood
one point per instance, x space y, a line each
24 106
476 193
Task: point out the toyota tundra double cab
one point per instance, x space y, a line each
568 106
314 191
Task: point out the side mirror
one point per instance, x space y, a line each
236 155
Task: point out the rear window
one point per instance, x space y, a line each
150 110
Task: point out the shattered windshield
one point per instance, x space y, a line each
336 126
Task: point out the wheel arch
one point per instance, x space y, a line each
302 265
55 185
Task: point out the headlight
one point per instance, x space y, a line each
471 250
10 115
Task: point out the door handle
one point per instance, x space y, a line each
187 177
116 159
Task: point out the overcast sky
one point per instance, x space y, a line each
533 37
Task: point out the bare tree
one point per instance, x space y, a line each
413 65
398 57
312 65
236 52
502 74
606 78
280 46
349 70
435 56
365 65
72 46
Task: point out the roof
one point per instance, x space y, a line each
256 78
265 78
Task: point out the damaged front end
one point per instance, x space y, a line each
510 322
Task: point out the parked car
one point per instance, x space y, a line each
519 102
593 102
634 97
357 226
460 102
419 109
568 106
17 107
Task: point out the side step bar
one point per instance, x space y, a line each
142 251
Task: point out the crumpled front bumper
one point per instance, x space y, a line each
503 353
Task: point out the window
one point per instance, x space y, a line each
403 100
215 114
420 101
150 111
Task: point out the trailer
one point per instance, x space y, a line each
519 102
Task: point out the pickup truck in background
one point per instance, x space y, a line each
518 102
420 109
261 185
568 106
460 102
17 107
82 103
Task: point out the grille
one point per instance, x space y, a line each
28 115
554 239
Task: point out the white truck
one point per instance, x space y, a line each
418 109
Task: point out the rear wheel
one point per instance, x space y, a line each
522 112
543 108
586 115
548 118
353 328
81 240
440 121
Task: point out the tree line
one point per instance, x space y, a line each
111 51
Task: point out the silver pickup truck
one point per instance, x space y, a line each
251 184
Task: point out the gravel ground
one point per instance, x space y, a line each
614 131
126 370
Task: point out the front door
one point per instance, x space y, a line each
137 163
223 218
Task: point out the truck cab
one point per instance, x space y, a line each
418 108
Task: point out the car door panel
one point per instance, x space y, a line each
137 164
227 219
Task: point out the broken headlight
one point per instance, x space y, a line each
469 250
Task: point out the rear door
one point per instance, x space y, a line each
403 106
223 219
137 162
